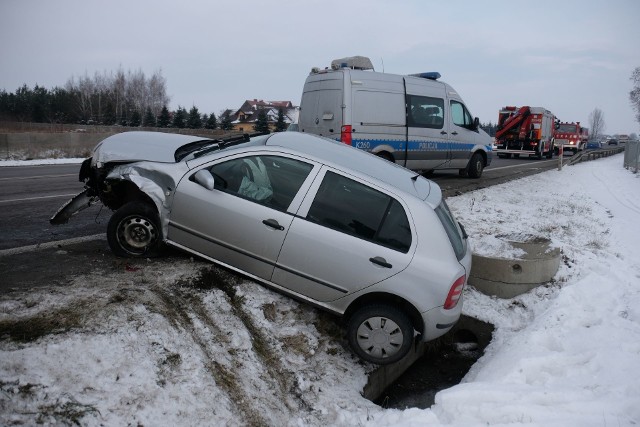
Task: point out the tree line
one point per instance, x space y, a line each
125 99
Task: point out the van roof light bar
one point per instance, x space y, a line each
431 75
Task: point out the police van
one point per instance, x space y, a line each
414 120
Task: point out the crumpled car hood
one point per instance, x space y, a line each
137 146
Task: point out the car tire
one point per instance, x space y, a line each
134 231
475 166
386 156
380 334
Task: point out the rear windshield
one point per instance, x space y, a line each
453 230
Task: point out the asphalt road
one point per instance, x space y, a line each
30 195
33 252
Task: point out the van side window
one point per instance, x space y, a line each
460 116
345 205
425 112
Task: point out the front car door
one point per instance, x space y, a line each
243 221
346 236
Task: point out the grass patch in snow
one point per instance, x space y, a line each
42 324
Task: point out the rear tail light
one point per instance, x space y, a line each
345 134
454 293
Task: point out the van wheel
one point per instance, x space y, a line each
380 334
386 156
134 231
475 166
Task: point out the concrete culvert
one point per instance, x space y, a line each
444 364
507 278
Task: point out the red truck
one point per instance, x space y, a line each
525 131
571 136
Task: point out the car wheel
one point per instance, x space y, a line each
134 231
476 166
380 334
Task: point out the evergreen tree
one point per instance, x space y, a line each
148 120
136 119
225 120
262 123
123 118
280 123
179 118
109 116
164 120
212 122
489 128
194 121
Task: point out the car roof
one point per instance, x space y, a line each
349 158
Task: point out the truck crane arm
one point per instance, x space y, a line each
514 120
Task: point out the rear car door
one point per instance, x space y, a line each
347 236
243 221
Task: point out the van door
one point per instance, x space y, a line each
321 105
463 137
428 131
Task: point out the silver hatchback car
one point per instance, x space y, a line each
315 219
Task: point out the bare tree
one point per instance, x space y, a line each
596 122
634 95
157 93
121 93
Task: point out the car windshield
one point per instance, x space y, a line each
201 148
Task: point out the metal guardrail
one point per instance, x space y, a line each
632 155
585 156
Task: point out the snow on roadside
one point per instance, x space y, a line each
160 346
38 162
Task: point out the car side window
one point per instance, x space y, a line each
354 208
460 116
425 111
269 180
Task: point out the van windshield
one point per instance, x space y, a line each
453 229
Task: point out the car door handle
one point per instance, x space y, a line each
443 133
454 133
380 261
273 224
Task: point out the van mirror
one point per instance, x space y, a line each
204 178
476 123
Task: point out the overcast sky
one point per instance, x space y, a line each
567 56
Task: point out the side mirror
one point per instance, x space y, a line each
204 178
476 123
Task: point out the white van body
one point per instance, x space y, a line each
415 120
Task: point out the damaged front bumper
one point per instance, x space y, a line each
78 203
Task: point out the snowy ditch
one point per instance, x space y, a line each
148 333
175 341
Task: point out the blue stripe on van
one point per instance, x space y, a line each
413 145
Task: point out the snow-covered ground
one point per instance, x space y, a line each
183 343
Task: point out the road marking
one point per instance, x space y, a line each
38 176
49 245
518 165
38 198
